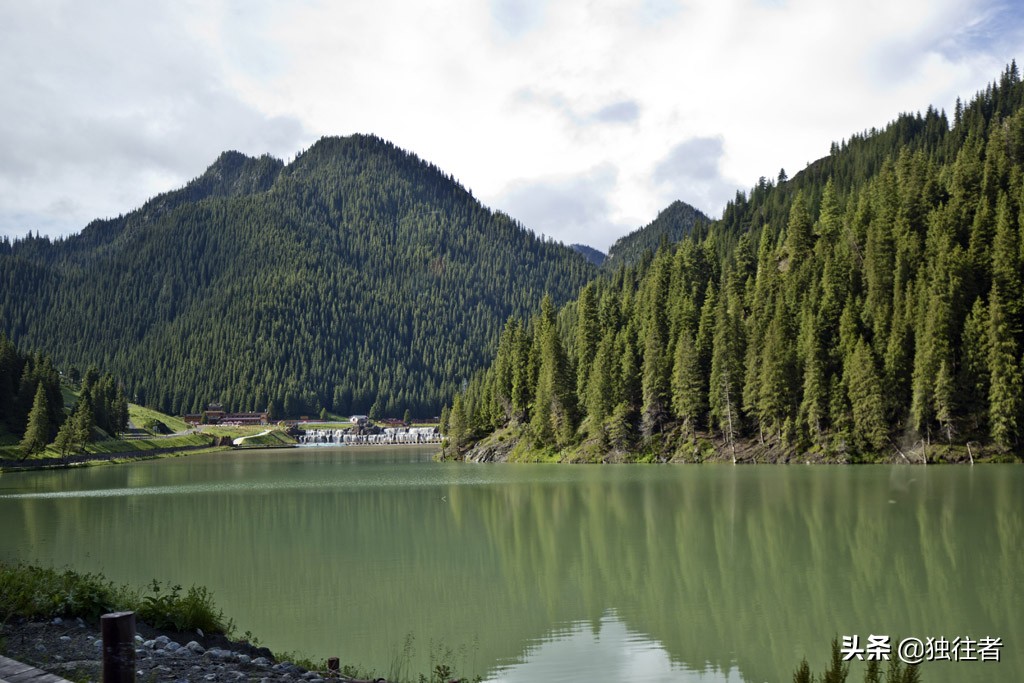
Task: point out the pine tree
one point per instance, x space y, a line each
933 348
656 365
600 397
625 414
655 385
120 411
803 673
37 434
1006 265
689 386
588 335
725 391
974 375
554 406
880 255
1004 376
76 430
944 392
814 405
458 424
897 365
66 443
865 394
83 418
504 368
799 232
837 670
522 388
10 373
776 374
829 215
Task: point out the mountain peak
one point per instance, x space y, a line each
592 255
673 223
235 174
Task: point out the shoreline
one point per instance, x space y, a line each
97 459
71 648
508 446
101 459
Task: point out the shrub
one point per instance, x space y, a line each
42 593
173 610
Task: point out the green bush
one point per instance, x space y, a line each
173 610
40 593
43 593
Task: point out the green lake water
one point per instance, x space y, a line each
553 573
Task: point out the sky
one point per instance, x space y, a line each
581 119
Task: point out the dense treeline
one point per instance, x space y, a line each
357 278
32 402
873 300
672 224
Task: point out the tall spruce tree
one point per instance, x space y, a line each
689 385
600 397
1004 396
865 394
77 429
588 335
37 433
799 231
725 391
554 407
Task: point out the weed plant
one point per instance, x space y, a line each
33 592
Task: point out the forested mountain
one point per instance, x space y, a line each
357 278
673 223
593 255
871 306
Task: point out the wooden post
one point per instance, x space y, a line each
332 667
118 630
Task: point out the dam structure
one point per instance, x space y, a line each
356 437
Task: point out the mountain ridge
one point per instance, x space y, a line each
356 277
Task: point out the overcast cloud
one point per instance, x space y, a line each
580 119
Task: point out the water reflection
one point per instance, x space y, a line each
608 647
718 572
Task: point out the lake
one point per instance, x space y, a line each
553 572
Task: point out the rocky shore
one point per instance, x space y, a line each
72 649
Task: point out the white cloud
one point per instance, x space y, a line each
110 105
573 207
692 169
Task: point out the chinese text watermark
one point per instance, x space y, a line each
917 650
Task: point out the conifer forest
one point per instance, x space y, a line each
867 307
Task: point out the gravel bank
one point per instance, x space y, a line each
72 649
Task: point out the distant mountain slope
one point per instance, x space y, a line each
672 224
356 278
593 255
